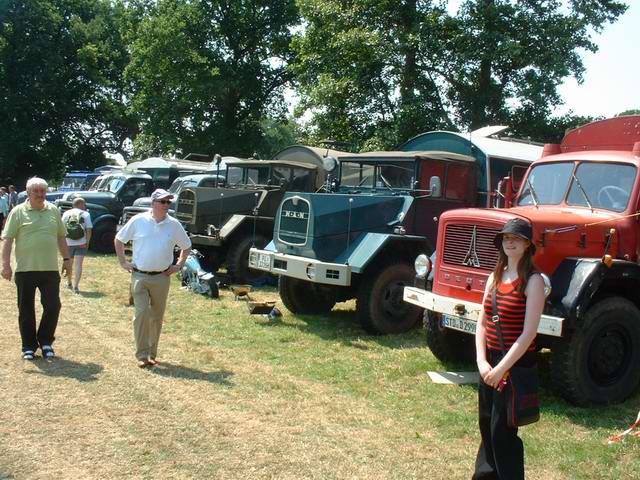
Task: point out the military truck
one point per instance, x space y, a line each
112 192
143 204
583 199
225 222
360 240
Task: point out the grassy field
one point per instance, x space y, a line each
238 396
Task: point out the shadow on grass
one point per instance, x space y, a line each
91 294
342 326
171 370
61 367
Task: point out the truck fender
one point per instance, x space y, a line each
102 218
236 221
577 281
362 253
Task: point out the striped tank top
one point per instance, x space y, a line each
512 306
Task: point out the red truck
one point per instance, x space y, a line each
583 200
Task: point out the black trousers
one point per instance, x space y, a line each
501 452
49 285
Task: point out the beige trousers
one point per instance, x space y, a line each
150 299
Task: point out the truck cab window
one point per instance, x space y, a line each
395 175
457 182
546 184
605 185
356 175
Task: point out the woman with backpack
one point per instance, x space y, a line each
77 222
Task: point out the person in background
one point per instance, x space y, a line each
37 230
155 235
77 220
4 206
13 197
520 299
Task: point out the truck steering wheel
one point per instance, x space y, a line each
606 197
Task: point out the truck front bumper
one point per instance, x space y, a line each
463 316
308 269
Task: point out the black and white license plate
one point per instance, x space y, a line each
458 323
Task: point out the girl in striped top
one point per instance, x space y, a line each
520 300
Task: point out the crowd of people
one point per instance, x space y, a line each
514 292
8 200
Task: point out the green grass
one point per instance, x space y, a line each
243 397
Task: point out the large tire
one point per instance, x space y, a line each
102 237
238 258
379 304
599 362
448 345
302 297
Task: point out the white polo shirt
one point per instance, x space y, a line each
153 242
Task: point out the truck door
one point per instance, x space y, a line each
458 181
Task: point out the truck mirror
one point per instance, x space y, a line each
435 186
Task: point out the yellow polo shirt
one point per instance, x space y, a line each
35 233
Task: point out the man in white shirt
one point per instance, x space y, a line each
154 235
77 243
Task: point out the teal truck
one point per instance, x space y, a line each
359 239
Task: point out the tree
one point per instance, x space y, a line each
60 88
387 70
206 73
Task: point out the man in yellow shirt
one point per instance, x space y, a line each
37 230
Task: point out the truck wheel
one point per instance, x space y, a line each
238 259
300 296
599 362
379 305
102 237
447 345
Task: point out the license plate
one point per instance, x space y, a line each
264 261
458 323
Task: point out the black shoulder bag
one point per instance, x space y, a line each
522 383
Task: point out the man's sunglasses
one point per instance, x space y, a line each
164 202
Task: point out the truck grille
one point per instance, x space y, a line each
63 206
470 246
186 208
294 221
129 212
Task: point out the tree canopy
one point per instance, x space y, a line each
391 69
60 86
78 77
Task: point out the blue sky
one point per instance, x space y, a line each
612 77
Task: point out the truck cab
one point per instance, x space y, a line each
360 239
583 200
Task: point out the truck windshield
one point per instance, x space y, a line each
74 182
356 174
113 184
395 175
546 184
604 185
607 185
249 176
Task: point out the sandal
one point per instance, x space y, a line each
28 355
47 351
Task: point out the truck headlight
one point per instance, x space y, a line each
422 265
